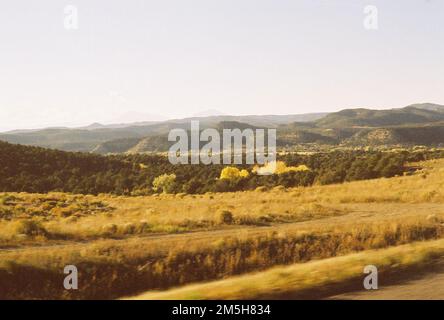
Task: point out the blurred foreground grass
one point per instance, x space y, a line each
314 279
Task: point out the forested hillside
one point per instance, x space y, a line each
415 114
34 169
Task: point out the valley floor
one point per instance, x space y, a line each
284 239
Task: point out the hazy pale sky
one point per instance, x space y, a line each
175 58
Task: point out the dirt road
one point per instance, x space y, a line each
354 212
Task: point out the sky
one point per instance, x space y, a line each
149 60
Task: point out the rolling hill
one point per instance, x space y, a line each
429 135
418 124
414 114
412 125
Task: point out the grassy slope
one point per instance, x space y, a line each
109 269
310 280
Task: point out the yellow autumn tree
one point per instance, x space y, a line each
233 173
244 173
279 167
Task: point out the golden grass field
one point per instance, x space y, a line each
124 246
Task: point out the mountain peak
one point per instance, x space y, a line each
428 106
94 126
209 113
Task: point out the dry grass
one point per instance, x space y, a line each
77 217
157 250
109 269
315 279
87 217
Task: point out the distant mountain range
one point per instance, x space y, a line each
418 124
99 138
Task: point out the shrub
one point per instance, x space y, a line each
261 189
30 228
249 220
164 183
61 212
7 199
279 188
109 229
226 217
129 228
6 213
141 192
143 226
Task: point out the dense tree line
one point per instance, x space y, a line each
34 169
